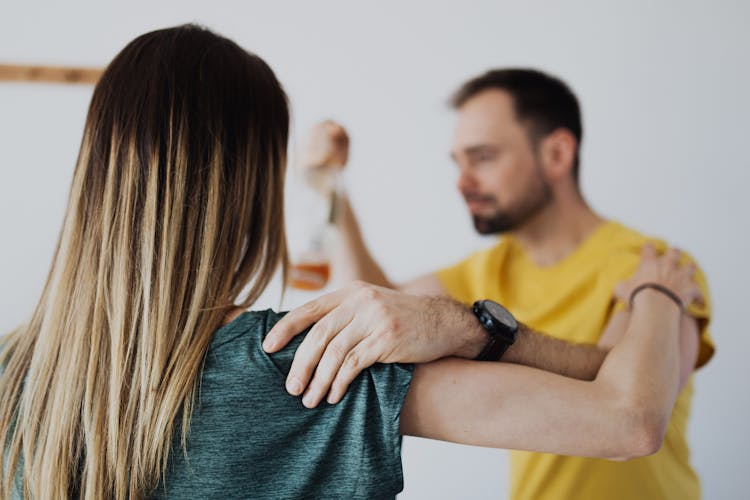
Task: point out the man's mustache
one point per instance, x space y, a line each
477 197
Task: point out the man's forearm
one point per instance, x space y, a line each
531 348
353 260
538 350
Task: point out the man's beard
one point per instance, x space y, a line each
507 219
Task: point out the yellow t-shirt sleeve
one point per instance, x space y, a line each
455 280
467 280
700 311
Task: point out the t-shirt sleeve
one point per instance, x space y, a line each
700 311
371 409
390 383
458 278
452 278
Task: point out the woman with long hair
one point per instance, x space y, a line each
137 375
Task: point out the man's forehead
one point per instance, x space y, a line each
482 120
488 105
486 118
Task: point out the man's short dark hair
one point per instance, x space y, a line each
542 102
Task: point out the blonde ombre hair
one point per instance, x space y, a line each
175 209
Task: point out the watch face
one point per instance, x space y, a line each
501 313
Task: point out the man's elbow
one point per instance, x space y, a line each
645 436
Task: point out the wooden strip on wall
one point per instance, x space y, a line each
48 74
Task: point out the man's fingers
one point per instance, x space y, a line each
364 355
333 357
298 320
309 352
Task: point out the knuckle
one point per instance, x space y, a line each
310 309
380 308
337 351
317 335
353 360
392 325
370 294
358 284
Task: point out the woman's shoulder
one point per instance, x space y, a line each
236 356
246 326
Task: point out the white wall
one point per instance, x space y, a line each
664 93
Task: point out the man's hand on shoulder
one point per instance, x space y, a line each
364 324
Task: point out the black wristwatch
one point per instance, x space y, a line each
500 324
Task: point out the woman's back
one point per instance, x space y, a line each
175 217
249 438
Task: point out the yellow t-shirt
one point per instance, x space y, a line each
573 300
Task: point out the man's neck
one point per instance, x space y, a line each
557 231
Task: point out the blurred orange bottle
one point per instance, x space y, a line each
310 276
312 269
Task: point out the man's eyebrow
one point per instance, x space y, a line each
479 148
474 149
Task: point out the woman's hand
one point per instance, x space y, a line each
665 271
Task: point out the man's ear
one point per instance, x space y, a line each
557 152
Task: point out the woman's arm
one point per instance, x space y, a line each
622 414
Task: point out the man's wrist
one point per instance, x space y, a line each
471 336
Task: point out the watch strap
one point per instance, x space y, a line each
494 349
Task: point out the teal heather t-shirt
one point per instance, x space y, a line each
249 438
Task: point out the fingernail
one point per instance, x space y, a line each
293 386
308 400
268 344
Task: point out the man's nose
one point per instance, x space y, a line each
465 179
